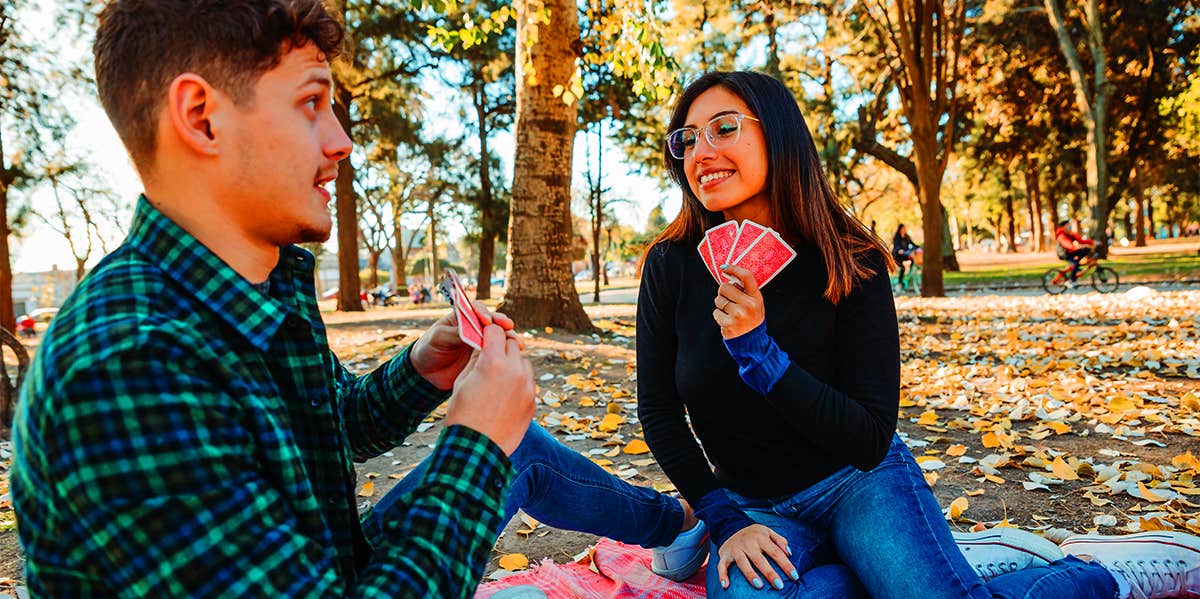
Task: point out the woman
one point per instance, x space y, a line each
793 391
902 251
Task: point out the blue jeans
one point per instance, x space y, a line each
881 534
561 488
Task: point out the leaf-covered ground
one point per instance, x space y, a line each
1077 412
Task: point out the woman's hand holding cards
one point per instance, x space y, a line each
739 307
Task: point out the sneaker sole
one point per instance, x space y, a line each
1176 539
1017 540
688 569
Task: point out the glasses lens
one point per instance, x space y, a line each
724 129
680 142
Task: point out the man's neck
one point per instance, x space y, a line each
201 217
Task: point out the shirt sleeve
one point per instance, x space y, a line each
160 474
855 414
660 409
380 409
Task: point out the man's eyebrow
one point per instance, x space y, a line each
722 113
319 79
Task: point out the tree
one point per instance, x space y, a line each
375 93
1091 100
925 42
81 207
487 79
30 119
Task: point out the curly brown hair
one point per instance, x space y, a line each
143 45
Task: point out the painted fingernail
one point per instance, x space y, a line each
724 266
757 582
724 584
794 574
778 584
787 550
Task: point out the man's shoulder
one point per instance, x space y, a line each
114 309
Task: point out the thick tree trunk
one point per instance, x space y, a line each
373 264
541 288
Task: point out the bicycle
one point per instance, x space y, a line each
1103 278
913 280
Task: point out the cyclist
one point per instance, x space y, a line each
902 250
1072 247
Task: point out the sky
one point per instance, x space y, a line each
41 248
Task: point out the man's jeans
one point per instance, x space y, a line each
561 488
881 534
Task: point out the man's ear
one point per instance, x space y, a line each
191 102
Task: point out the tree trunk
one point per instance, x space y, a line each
10 386
434 266
1009 212
8 317
541 289
1093 108
1033 203
349 286
1139 200
373 264
487 212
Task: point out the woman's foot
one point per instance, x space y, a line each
681 559
1147 565
1002 550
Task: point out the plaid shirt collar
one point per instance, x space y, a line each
255 315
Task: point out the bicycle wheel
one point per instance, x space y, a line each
1054 281
1105 279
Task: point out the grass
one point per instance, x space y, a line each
1131 268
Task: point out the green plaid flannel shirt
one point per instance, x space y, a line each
181 433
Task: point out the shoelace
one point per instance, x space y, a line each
991 570
1154 578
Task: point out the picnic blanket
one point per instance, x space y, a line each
611 570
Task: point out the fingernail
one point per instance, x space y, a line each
724 584
757 582
795 575
787 550
778 584
724 266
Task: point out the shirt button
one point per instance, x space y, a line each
497 483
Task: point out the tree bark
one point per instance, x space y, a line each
487 212
8 317
349 286
1033 202
541 289
1093 108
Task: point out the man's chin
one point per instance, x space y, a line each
312 235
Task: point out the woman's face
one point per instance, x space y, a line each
732 179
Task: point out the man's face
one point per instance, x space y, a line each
284 149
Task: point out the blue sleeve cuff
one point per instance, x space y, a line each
761 363
722 515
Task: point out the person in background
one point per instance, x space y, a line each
1072 247
902 252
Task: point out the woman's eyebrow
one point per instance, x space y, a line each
722 113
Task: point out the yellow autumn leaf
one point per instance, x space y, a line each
1149 495
1062 470
514 561
956 450
1190 402
637 447
1060 428
368 489
927 418
587 402
989 440
611 423
975 493
957 507
1186 461
1121 404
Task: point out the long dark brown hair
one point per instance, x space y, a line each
802 203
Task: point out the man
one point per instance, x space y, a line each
185 430
1072 247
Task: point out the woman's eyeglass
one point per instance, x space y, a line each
722 131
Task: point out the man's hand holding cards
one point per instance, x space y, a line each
746 244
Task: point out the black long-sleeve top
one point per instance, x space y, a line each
836 404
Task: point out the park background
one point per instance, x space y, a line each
521 144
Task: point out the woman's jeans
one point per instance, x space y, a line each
881 534
561 488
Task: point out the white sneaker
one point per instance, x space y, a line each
1071 284
1002 550
1155 564
681 559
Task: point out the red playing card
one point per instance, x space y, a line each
706 258
748 233
470 329
720 241
767 257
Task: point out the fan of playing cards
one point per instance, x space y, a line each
747 244
470 329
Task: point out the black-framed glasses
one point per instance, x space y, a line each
722 131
